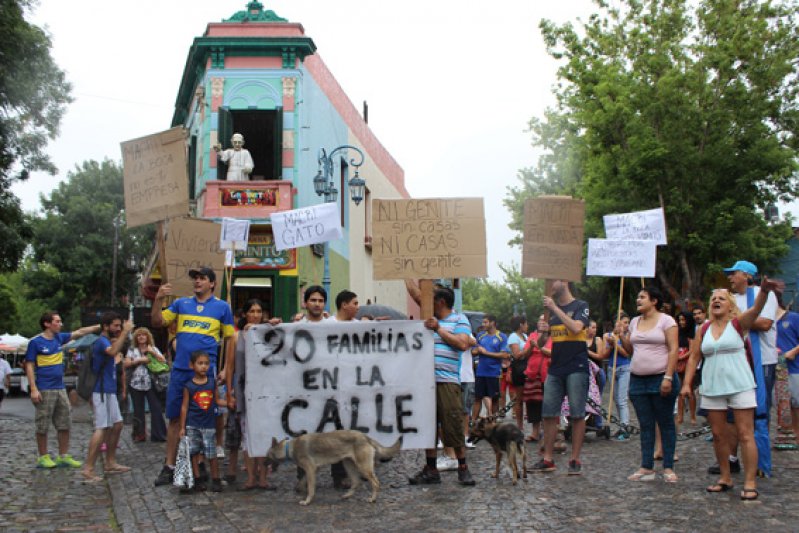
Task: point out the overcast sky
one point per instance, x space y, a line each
450 84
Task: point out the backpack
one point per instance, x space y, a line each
747 344
87 379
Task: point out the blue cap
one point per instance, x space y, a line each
744 266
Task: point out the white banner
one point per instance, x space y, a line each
235 234
612 258
309 225
377 377
640 225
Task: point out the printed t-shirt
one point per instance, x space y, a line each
651 351
569 351
491 367
49 360
202 409
107 381
788 337
200 327
768 339
447 358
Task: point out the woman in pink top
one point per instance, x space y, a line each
652 339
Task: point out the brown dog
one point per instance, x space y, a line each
356 451
504 438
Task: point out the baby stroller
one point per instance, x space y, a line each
593 418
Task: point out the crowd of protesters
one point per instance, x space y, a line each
722 362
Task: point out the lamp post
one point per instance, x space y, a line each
325 188
117 223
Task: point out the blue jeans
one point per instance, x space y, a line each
652 408
621 392
574 386
769 377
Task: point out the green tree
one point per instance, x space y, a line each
28 309
74 239
516 295
9 317
688 105
33 98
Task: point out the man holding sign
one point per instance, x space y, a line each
451 334
568 372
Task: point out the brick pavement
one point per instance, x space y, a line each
600 500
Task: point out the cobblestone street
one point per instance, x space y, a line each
599 500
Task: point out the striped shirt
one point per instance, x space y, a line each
448 358
200 327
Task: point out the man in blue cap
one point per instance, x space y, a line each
763 337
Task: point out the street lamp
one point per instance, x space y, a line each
325 188
118 219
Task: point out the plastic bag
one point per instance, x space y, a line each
183 475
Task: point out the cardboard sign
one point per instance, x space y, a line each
428 238
192 243
553 238
639 225
155 177
376 377
235 232
623 258
310 225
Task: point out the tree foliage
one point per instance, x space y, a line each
9 317
516 295
74 239
688 105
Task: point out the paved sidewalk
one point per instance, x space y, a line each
599 500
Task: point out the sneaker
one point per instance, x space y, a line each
45 461
427 476
470 445
165 477
544 466
440 445
575 467
220 452
445 463
465 477
216 485
67 460
735 467
622 436
200 486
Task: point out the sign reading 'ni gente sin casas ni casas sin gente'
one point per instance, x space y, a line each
428 238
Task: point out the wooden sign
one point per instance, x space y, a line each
428 238
155 177
192 243
553 238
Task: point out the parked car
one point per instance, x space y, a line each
18 381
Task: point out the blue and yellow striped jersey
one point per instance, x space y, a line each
201 325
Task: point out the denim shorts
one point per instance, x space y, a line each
574 385
202 441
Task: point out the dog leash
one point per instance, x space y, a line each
500 414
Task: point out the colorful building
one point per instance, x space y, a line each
259 75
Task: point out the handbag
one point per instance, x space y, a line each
534 387
183 476
517 368
682 360
155 366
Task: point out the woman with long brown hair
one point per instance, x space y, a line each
143 353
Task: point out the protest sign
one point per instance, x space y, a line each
640 225
553 238
309 225
623 258
155 177
234 232
376 377
428 238
192 243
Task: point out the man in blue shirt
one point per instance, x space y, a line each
491 349
203 321
45 370
107 418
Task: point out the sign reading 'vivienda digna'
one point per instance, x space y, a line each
375 377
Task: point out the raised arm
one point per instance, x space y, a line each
747 318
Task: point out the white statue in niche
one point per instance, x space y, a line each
238 159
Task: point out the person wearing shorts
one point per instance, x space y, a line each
44 367
451 332
491 351
567 374
106 352
202 322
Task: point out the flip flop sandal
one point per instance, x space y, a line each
719 487
670 478
118 469
642 476
90 480
531 439
746 498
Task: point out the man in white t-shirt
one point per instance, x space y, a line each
5 378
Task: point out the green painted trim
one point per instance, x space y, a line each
287 48
255 13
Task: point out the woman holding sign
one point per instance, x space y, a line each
652 337
727 381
